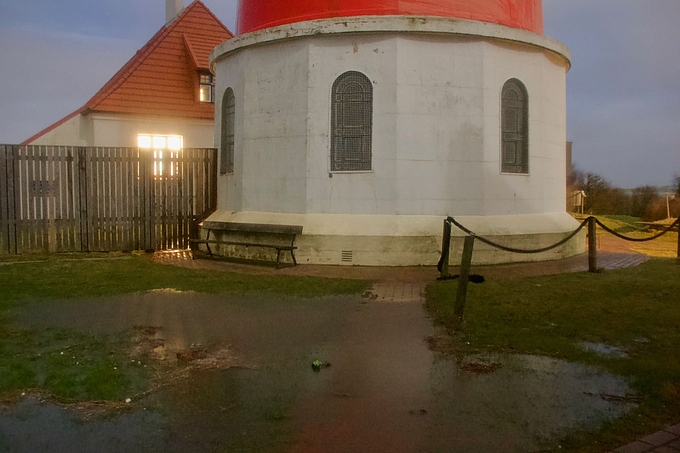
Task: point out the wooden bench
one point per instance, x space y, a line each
289 232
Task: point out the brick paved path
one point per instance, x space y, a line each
665 441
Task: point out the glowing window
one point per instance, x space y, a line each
160 142
166 151
144 141
174 142
207 88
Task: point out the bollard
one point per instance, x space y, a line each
592 244
446 249
459 308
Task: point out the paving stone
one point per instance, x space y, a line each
675 444
398 292
660 438
635 447
673 429
664 449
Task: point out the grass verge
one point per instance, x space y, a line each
61 277
70 366
635 309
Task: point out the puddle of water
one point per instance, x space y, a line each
604 350
384 391
527 404
33 427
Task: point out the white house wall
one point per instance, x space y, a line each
76 131
119 130
109 130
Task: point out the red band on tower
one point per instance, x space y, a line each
259 14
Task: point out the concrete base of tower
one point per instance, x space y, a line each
400 240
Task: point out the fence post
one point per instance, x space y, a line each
459 308
592 244
446 249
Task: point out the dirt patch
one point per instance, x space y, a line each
443 344
177 363
481 368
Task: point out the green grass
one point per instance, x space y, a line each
79 366
622 223
70 365
62 277
637 309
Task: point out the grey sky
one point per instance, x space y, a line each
623 93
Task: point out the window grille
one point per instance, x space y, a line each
515 128
228 126
351 122
207 88
166 151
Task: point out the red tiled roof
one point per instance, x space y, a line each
161 78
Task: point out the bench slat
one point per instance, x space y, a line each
252 227
245 244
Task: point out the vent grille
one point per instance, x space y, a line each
346 256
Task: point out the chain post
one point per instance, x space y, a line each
678 256
592 244
466 262
446 249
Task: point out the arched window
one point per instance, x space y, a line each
515 128
227 140
351 122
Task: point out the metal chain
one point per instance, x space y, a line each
563 241
514 250
627 238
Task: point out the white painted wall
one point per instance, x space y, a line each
436 126
271 128
371 192
96 129
76 131
436 137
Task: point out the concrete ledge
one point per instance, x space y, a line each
390 24
393 240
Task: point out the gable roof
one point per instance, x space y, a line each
161 78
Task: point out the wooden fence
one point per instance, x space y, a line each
72 199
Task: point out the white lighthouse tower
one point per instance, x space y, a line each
366 122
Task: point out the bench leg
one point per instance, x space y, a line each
207 245
278 257
292 251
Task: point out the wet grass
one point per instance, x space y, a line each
77 366
635 309
70 276
70 366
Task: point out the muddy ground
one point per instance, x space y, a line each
385 389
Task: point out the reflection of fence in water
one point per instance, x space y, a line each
62 198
